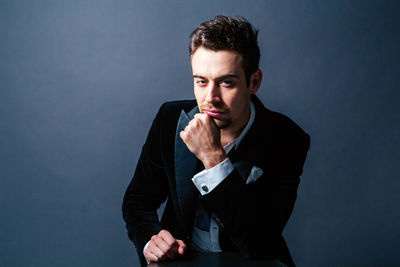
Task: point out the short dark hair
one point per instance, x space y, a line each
229 33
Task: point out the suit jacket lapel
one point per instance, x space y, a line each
185 169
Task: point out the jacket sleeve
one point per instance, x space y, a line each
253 215
146 191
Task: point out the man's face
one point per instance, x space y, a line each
220 87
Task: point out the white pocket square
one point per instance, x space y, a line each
255 173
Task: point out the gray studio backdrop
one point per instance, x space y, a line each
82 80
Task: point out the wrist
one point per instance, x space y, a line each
214 158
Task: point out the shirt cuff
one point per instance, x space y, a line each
207 180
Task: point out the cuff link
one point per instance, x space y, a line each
204 187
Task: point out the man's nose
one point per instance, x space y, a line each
213 93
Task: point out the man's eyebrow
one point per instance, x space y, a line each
226 76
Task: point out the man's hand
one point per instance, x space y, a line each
203 139
164 246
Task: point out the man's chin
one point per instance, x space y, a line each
221 124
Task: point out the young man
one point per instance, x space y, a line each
228 166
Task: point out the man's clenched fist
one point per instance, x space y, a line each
203 139
164 246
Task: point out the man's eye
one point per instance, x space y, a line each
201 82
228 83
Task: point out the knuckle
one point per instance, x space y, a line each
170 243
163 232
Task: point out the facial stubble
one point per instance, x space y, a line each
221 124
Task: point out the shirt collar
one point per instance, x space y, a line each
235 143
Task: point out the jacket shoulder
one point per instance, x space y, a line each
169 112
285 126
177 106
286 141
278 125
293 142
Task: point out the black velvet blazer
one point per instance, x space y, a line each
251 216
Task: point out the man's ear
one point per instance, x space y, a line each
255 81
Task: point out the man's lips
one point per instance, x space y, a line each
214 112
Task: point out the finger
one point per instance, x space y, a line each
193 123
182 134
161 245
201 116
211 122
154 250
169 244
169 250
167 236
150 257
182 247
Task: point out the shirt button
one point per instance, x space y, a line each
204 187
